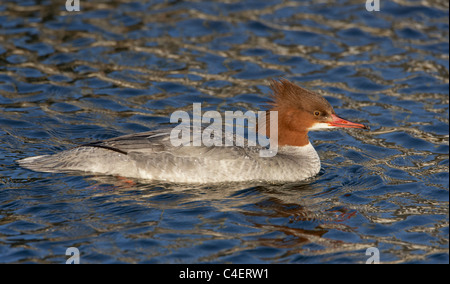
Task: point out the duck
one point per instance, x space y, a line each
153 155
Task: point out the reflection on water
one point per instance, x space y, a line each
123 67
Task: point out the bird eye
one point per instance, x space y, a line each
317 113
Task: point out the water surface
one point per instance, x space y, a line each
121 67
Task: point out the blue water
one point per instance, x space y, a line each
68 78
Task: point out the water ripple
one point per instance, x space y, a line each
123 67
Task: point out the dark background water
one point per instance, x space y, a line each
119 67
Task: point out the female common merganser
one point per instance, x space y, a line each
151 155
